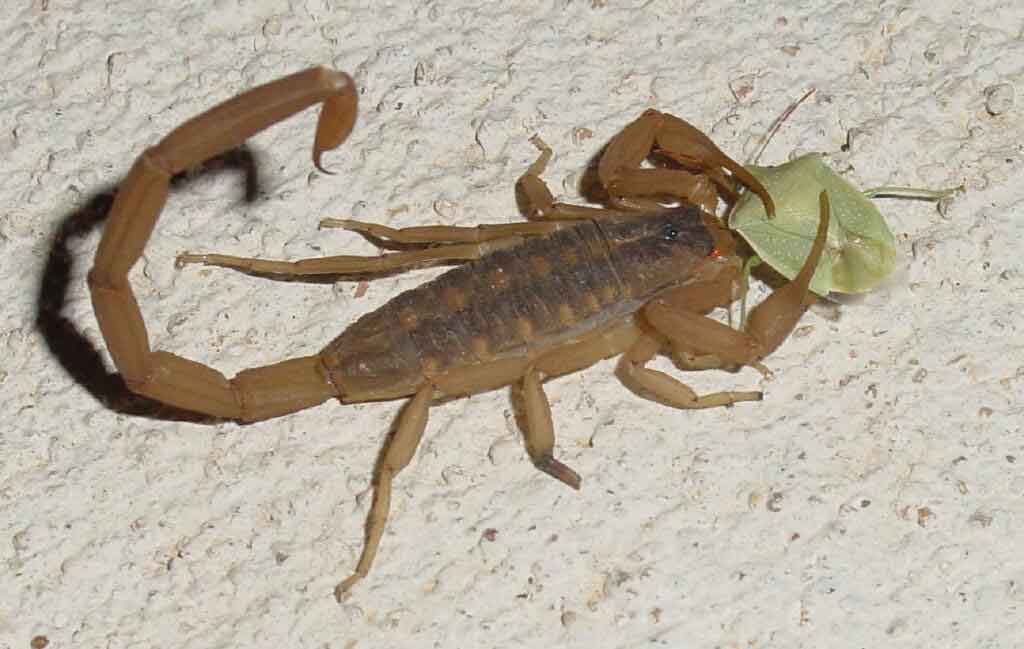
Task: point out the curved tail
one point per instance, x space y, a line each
257 393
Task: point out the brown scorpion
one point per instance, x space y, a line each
530 301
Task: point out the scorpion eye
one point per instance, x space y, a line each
670 233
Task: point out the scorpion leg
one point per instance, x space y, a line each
396 454
478 241
257 393
434 234
665 389
539 432
345 264
768 325
537 202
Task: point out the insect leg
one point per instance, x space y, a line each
396 454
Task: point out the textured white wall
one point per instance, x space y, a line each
873 499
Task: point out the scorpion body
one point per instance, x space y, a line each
530 301
509 308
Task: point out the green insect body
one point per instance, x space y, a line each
861 250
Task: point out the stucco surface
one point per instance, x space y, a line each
873 499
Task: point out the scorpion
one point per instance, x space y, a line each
525 302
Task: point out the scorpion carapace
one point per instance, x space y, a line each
537 299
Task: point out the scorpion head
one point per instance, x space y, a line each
667 249
674 243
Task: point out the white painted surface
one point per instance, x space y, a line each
873 499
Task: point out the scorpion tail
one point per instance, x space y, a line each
254 394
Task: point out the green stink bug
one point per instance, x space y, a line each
861 250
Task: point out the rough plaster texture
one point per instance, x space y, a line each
873 499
